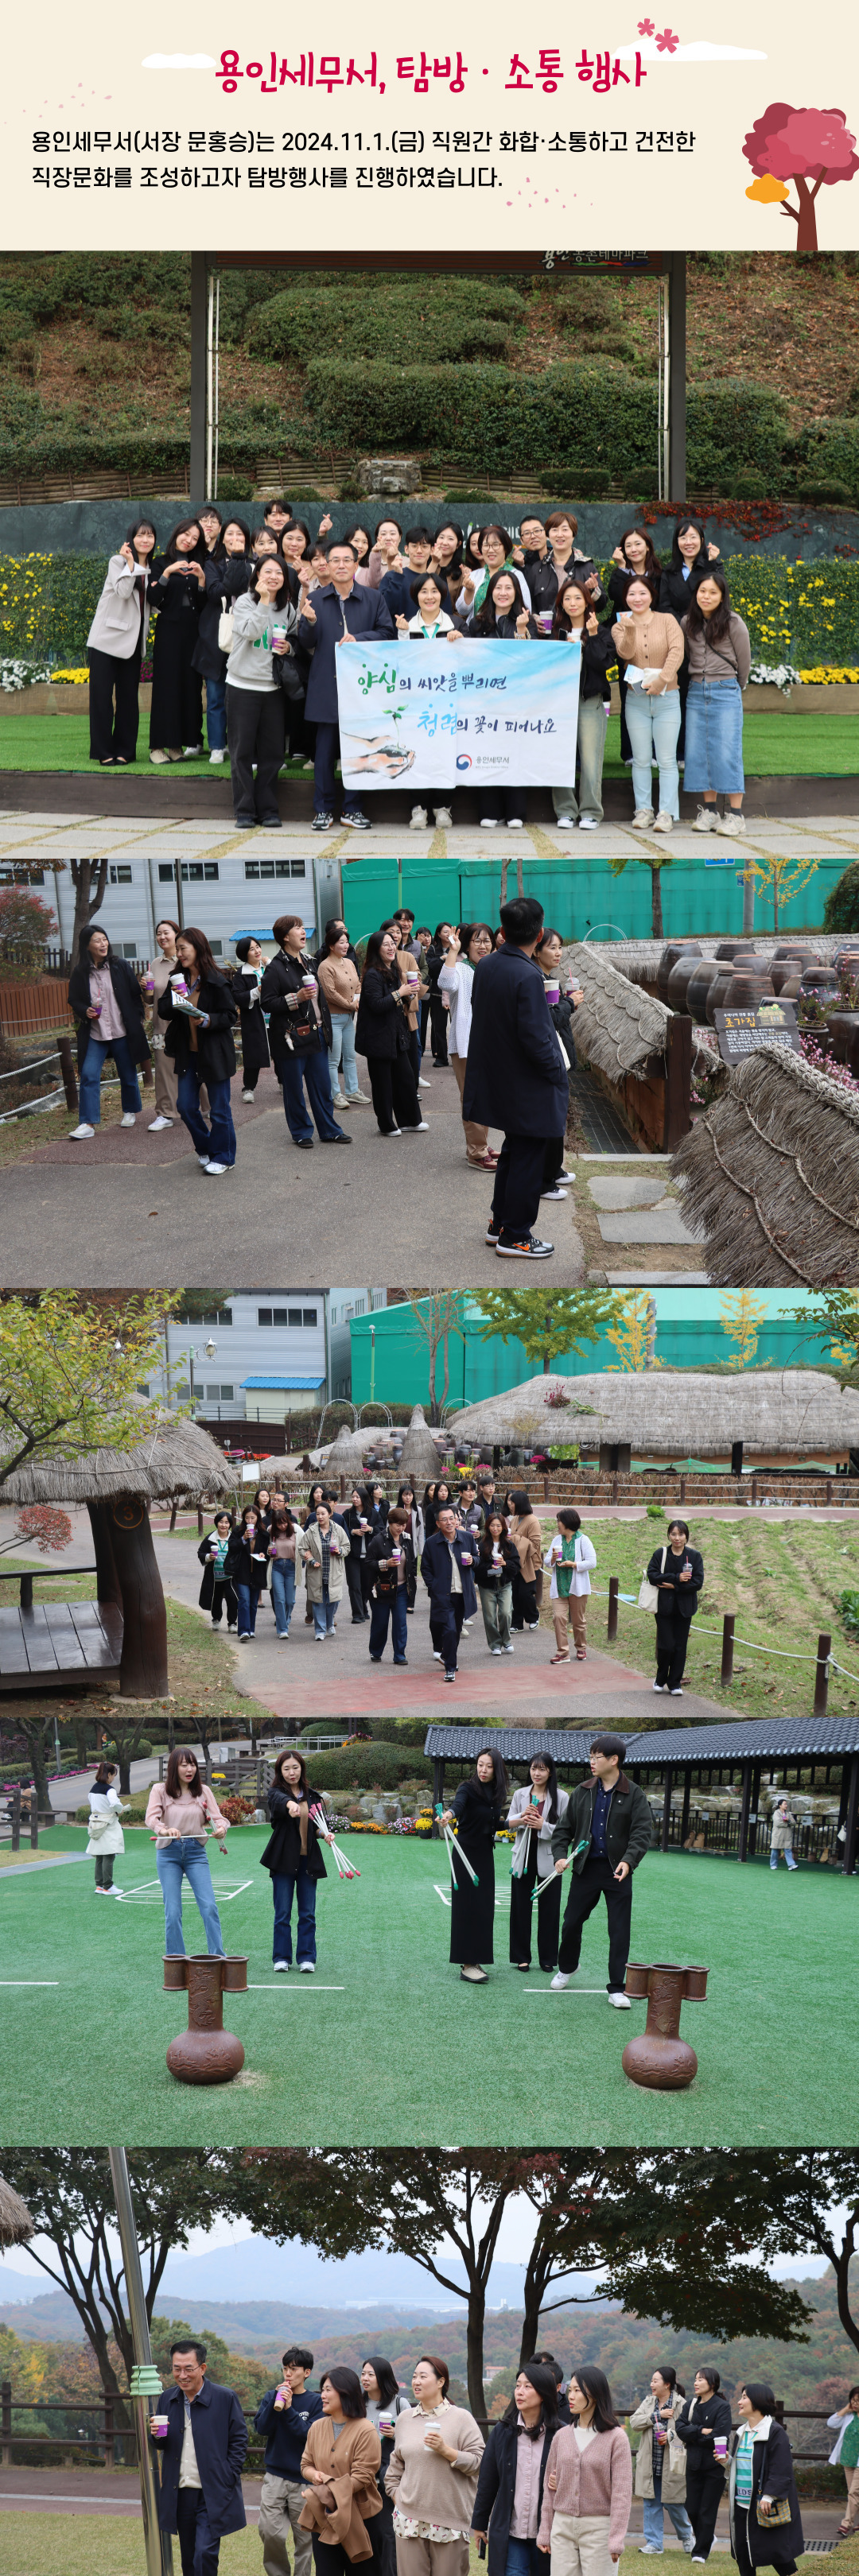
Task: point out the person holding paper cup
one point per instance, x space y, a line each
245 982
341 2458
216 1590
761 2476
284 2418
200 1013
432 2476
536 1810
389 1556
570 1560
322 1547
385 2404
660 2465
495 1573
651 646
247 1568
703 2426
300 1037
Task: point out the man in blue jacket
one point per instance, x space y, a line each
339 609
200 2495
515 1077
446 1566
285 2417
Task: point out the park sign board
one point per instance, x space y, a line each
238 131
740 1033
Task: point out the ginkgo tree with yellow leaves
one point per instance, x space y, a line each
742 1315
70 1374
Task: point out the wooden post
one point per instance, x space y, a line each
737 1458
67 1070
821 1678
678 1081
6 2404
666 1806
26 1592
745 1804
107 1584
611 1623
108 2430
677 375
143 1669
437 1796
687 1792
15 1811
852 1818
173 1512
727 1673
199 405
34 1820
199 1520
753 1813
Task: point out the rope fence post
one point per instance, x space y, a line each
611 1622
821 1678
67 1069
743 1838
727 1672
666 1806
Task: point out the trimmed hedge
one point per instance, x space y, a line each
589 415
373 1766
454 317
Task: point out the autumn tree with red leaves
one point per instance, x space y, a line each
810 146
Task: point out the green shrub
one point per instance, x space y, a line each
455 317
848 1606
841 909
592 482
749 485
373 1766
828 452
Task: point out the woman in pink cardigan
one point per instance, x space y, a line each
588 2488
182 1810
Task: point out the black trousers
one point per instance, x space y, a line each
224 1593
518 1183
497 804
525 1611
672 1639
198 2548
784 2565
704 2490
553 1161
438 1028
356 1588
597 1879
540 1919
113 736
446 1619
394 1090
415 1053
255 732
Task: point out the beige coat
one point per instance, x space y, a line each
340 983
405 967
527 1536
116 625
340 2511
673 2457
654 643
308 1548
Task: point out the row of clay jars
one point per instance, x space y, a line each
684 953
720 984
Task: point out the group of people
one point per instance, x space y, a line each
357 2474
258 615
496 999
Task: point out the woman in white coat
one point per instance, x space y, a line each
572 1559
535 1811
468 944
106 1836
115 647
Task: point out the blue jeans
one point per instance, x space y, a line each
216 712
522 2558
247 1597
395 1610
342 1051
90 1078
311 1069
652 2506
324 1613
324 764
188 1859
654 724
219 1140
283 1889
283 1592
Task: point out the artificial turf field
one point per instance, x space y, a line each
386 2046
774 746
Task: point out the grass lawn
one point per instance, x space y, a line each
386 2045
29 2547
822 744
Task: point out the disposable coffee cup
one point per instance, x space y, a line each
396 1553
720 2446
412 978
159 2426
308 983
96 1007
553 992
278 634
386 2427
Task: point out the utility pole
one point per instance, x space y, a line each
145 2379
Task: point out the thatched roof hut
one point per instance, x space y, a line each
777 1414
618 1028
421 1460
345 1460
769 1176
178 1462
16 2225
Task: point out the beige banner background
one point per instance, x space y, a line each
710 72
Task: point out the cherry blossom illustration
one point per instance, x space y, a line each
811 147
667 43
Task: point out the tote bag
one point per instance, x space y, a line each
648 1593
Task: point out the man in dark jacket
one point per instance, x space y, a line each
339 609
515 1077
446 1566
200 2495
609 1827
285 2417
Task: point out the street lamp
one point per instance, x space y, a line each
208 1352
145 2379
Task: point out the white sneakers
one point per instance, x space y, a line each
731 825
248 1095
705 819
82 1130
307 1967
217 1168
282 1967
215 759
588 823
128 1118
621 2002
443 818
642 820
418 818
559 1978
664 822
155 1124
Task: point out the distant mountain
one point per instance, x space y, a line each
257 2269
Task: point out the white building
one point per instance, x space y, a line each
266 1354
229 897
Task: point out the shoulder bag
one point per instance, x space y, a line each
225 627
781 2510
648 1593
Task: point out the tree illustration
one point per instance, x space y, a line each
810 146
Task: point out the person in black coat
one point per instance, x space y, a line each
382 1037
357 1521
333 613
391 1560
502 617
178 591
532 2416
299 1036
704 2420
515 1077
217 1588
679 1571
547 2362
446 1566
548 955
109 1008
574 620
200 2514
293 1856
477 1809
202 1048
247 1567
760 2542
434 961
245 985
227 572
691 560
